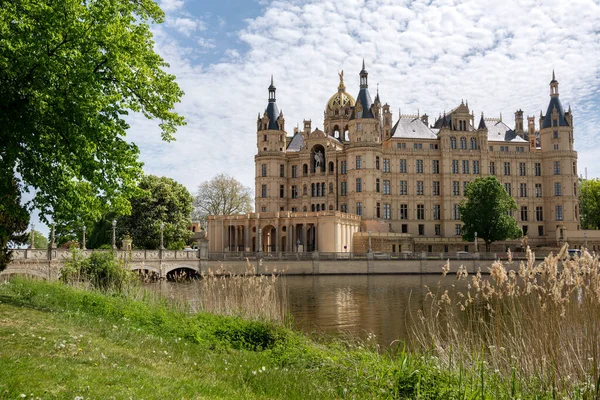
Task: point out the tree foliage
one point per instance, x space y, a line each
39 240
222 195
71 71
14 219
485 211
160 200
589 203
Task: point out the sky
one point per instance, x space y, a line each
426 56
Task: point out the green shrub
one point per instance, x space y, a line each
101 270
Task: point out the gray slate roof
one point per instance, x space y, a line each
554 102
273 114
500 132
412 128
297 143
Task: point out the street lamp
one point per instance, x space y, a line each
83 241
475 242
114 238
52 244
260 249
32 246
162 226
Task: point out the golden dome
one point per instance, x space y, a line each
341 99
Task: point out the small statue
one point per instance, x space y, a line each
319 159
341 74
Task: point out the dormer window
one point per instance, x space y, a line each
359 114
554 122
555 135
264 138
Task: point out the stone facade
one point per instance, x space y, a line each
407 179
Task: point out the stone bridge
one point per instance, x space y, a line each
47 264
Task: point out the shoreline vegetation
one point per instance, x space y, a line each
529 334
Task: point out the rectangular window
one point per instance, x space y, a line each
476 167
525 230
436 188
418 145
437 212
508 188
559 213
465 184
457 229
344 168
344 189
455 212
401 145
359 208
420 211
358 162
263 169
377 185
507 168
386 165
403 211
492 168
281 171
438 229
402 166
386 187
435 166
455 166
419 167
522 169
378 211
420 191
421 229
539 213
358 184
433 146
294 171
264 191
376 162
403 188
541 230
538 190
404 228
281 191
455 188
523 213
387 211
465 166
556 167
294 191
557 189
523 190
491 148
538 169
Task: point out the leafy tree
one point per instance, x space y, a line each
161 200
589 203
14 219
71 71
485 211
39 240
222 195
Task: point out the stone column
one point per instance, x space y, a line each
235 238
304 236
275 233
247 235
316 237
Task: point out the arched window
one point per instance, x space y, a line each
330 166
452 142
323 207
305 169
377 162
312 208
313 192
331 207
304 209
304 191
463 142
473 143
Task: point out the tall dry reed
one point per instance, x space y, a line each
540 321
247 295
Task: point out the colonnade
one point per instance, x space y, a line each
271 237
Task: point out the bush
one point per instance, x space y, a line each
101 270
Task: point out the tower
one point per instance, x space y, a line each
337 112
559 164
270 160
519 123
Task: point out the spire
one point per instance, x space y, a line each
377 100
272 91
363 77
481 123
553 77
553 86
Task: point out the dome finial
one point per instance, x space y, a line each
341 86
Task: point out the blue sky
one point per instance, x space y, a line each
426 55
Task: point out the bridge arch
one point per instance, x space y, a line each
24 271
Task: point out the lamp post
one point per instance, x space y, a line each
114 237
162 226
52 244
83 239
260 249
476 242
32 245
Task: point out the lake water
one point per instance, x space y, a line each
354 304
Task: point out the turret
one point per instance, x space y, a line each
531 133
519 123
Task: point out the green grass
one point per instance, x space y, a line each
61 342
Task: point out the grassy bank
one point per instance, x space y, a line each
62 342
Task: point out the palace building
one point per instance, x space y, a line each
399 181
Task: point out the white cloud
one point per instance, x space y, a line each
425 55
171 5
206 43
